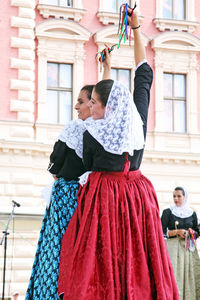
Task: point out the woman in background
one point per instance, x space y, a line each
177 222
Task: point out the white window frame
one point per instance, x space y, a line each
59 89
176 52
106 17
173 98
75 13
60 41
188 25
123 59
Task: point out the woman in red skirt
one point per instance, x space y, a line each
113 248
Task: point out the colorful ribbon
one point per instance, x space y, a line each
190 241
103 55
123 23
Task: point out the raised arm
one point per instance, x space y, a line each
143 73
139 49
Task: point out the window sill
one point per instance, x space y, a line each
175 25
106 17
75 14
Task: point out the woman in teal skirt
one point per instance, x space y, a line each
65 166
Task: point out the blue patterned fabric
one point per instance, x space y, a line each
44 278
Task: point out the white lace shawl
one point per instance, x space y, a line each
121 130
183 211
72 135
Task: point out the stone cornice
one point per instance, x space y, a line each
75 14
26 148
164 157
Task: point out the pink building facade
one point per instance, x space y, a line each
48 52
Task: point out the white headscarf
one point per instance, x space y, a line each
183 211
72 135
121 129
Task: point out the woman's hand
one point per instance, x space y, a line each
135 21
107 64
181 233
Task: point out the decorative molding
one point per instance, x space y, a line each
63 30
20 22
26 33
161 158
25 148
181 145
21 106
22 43
23 3
25 85
59 12
26 75
175 25
176 41
25 63
26 95
109 33
106 17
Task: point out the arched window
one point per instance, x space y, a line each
60 54
176 82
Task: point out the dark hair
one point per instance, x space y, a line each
179 188
88 89
103 88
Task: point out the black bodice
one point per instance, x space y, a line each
64 162
95 158
168 221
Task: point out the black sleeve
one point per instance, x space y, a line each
141 96
57 157
87 151
165 220
195 223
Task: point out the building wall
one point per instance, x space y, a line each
31 36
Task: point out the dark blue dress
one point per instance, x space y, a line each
43 283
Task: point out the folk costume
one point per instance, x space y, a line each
183 253
66 164
113 248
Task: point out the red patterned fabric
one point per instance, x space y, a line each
113 248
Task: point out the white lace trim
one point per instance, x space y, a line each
121 130
84 177
72 135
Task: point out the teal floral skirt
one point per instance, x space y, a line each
44 277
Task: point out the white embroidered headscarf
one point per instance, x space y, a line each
183 211
121 129
72 135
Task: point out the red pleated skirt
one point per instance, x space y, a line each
113 248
